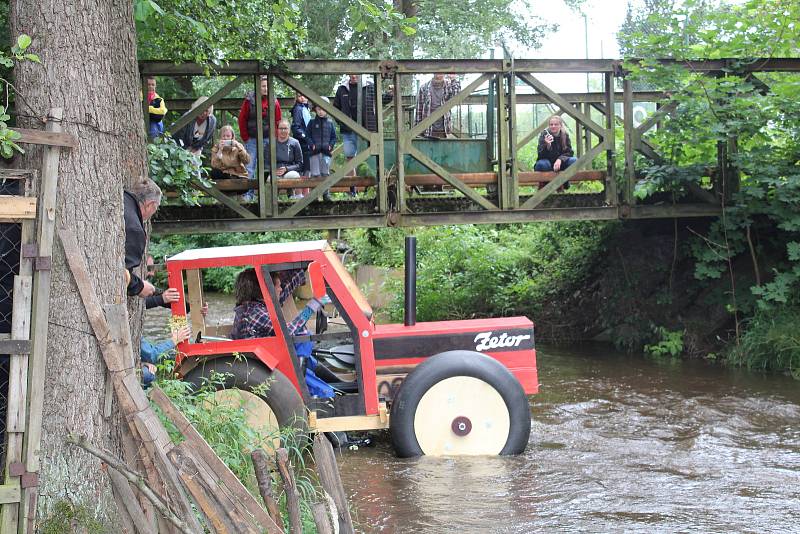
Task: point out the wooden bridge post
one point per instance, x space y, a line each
400 145
587 133
630 171
611 179
513 188
259 176
273 162
377 144
502 139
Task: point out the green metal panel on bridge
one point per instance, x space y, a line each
484 180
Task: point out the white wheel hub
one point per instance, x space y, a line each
258 415
459 416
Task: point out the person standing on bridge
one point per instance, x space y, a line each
555 149
247 124
432 96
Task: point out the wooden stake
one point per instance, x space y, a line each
331 481
260 466
128 505
290 488
321 519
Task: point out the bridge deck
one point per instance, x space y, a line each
498 189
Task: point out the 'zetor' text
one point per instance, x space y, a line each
485 341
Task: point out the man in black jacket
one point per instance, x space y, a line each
140 203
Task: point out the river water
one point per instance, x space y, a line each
618 444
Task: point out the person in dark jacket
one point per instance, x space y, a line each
196 135
301 116
140 203
322 139
555 149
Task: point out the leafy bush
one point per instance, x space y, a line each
174 169
771 342
669 343
479 271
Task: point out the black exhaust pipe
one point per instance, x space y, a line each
410 315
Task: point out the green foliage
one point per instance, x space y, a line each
481 271
70 517
18 52
771 342
174 168
668 343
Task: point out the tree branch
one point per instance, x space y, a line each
132 477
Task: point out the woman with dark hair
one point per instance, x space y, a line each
252 318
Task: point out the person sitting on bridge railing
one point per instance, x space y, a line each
288 153
555 150
228 157
196 135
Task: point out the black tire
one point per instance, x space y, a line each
458 363
281 395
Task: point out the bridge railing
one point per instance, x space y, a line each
501 193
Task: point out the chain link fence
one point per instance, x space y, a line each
10 235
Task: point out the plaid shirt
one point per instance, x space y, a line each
252 318
451 89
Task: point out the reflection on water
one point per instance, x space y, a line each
618 444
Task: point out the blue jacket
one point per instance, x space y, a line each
322 135
152 354
300 113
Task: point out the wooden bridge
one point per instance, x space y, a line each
495 187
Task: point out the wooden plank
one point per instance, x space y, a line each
48 138
380 159
264 478
10 493
203 494
15 346
653 119
41 311
628 129
273 144
145 423
345 423
472 178
609 137
15 208
129 504
226 478
331 482
450 179
194 284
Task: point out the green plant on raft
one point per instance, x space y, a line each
670 343
175 169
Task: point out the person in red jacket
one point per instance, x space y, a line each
247 124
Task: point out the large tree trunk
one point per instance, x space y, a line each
88 54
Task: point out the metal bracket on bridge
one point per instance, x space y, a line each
388 68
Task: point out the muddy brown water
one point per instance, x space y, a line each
618 444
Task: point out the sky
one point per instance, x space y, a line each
603 19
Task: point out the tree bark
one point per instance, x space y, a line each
88 68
